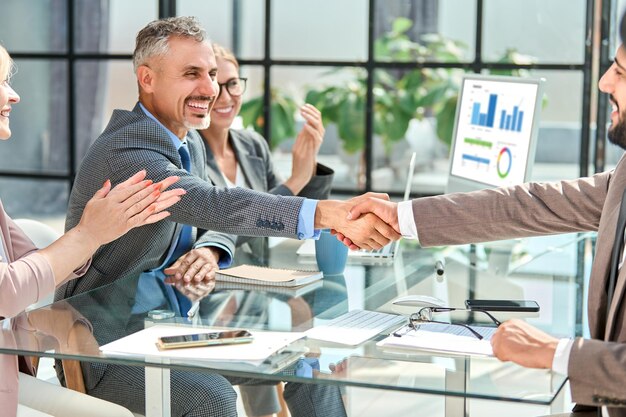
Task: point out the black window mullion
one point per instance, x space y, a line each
71 93
601 113
369 100
587 77
478 44
167 8
267 67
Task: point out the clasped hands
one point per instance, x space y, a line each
369 221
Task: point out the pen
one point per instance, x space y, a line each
439 267
193 309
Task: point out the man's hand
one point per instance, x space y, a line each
199 265
383 208
519 342
366 232
194 291
376 203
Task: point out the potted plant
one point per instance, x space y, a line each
283 109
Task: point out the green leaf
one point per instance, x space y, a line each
351 124
445 120
252 114
401 25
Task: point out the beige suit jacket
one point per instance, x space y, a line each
597 366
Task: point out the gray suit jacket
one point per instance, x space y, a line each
255 159
597 366
131 142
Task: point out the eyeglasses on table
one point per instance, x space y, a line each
425 315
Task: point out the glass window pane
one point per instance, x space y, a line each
219 17
322 29
110 26
27 26
545 31
425 30
111 85
340 94
558 141
39 123
408 106
43 200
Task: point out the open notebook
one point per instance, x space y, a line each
386 252
259 275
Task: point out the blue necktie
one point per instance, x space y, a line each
184 242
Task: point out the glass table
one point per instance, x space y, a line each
550 270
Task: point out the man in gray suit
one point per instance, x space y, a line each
176 70
596 367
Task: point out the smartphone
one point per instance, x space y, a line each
204 339
502 305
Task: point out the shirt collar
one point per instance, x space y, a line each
175 139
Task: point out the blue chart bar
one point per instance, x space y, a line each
485 119
519 121
512 121
476 114
474 158
491 112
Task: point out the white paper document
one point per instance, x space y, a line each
442 338
143 344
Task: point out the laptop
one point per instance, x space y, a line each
386 252
495 132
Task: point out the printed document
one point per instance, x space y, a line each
443 338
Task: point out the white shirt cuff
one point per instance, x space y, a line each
406 221
561 356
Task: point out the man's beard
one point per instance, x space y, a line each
201 124
617 132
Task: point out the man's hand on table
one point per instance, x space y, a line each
519 342
196 266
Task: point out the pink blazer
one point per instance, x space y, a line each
25 277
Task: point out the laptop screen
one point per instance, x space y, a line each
495 132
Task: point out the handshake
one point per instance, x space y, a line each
368 221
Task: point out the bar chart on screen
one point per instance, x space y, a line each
494 131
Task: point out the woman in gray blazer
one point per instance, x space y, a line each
242 158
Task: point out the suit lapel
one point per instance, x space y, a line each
213 171
251 165
615 303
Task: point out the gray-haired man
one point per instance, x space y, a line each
176 69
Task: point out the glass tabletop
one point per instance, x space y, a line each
550 270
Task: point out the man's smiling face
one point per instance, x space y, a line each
180 87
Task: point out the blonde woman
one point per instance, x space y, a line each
28 274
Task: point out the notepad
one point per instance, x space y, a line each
297 291
258 275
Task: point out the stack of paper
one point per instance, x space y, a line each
446 339
298 291
258 275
